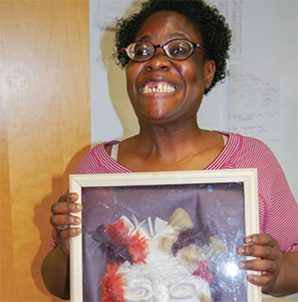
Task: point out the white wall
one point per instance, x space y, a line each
259 98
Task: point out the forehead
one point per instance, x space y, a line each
168 24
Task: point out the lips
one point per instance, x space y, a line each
163 87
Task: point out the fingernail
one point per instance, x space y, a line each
73 196
251 278
79 206
241 251
77 220
76 207
77 231
241 265
249 239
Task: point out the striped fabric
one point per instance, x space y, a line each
278 210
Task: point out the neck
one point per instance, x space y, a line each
165 149
169 143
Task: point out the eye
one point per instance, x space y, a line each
138 290
179 49
140 50
183 290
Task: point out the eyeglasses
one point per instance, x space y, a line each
177 49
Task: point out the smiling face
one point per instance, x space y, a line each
162 89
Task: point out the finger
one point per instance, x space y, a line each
58 220
69 197
66 207
69 233
259 265
259 251
260 239
62 227
260 280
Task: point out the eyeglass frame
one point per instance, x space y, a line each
164 48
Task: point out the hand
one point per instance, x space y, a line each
63 221
268 260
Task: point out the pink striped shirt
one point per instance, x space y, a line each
278 210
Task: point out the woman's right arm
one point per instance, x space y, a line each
55 267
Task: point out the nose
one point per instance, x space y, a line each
162 294
158 61
161 298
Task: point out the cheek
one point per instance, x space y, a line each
132 72
129 79
193 71
193 79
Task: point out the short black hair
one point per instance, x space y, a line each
212 26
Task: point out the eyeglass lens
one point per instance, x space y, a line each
175 49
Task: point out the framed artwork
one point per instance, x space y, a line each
163 236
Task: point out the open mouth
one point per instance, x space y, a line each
160 87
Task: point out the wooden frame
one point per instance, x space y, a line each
233 191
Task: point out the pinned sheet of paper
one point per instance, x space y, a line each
254 104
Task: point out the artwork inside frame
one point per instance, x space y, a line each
169 235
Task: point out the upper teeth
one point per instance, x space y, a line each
161 88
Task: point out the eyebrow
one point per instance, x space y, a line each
171 36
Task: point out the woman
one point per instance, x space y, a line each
174 52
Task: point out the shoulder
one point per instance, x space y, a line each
96 159
248 142
103 148
250 151
100 149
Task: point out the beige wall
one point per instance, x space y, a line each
44 127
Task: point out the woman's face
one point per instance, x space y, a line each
182 83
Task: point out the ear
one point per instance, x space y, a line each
209 71
180 220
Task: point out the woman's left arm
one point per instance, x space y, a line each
278 271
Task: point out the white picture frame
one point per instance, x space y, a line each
220 183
